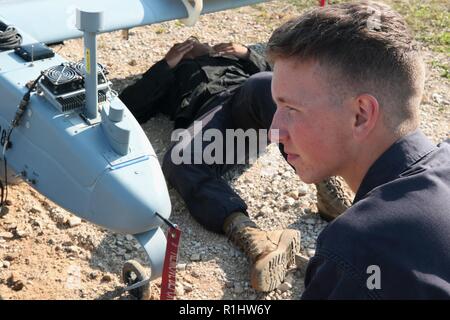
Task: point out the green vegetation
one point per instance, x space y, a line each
179 24
443 68
160 30
429 20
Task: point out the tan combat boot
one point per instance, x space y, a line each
333 197
270 252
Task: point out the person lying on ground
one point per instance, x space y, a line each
222 87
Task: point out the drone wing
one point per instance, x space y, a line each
54 20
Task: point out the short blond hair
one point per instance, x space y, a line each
367 47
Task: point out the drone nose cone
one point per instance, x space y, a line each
125 199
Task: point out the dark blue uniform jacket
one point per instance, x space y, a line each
394 242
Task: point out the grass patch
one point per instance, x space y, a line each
179 24
444 69
160 30
428 19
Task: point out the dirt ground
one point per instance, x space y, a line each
48 253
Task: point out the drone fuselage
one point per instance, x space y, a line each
77 164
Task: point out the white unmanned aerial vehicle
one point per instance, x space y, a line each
63 132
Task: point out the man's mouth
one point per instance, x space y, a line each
291 157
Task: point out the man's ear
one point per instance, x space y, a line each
366 115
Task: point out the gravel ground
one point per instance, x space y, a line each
48 253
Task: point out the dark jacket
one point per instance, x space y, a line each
191 89
399 223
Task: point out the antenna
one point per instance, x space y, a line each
32 56
90 23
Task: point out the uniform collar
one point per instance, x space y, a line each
400 156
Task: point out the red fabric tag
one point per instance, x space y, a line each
170 264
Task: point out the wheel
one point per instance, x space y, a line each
133 272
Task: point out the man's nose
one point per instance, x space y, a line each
278 132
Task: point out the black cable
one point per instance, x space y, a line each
5 187
9 37
23 105
14 123
3 199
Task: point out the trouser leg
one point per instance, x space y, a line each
208 197
270 252
253 106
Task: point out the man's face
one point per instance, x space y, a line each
314 125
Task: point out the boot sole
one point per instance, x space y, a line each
269 272
329 209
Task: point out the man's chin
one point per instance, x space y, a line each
309 178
